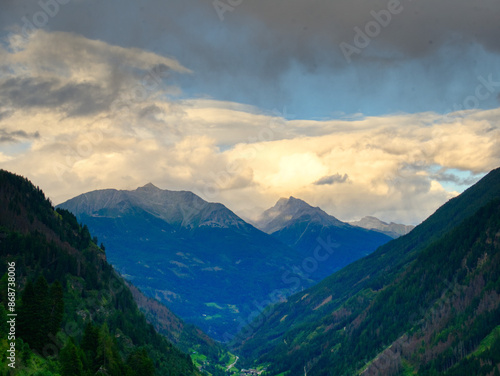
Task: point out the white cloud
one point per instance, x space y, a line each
226 152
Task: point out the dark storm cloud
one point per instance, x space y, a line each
271 53
282 30
332 179
16 136
149 111
418 27
78 99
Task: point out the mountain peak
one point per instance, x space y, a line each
291 202
177 208
150 186
298 207
394 230
288 210
294 200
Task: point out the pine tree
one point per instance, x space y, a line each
140 363
27 315
40 312
71 364
41 305
89 345
108 357
56 307
4 327
3 290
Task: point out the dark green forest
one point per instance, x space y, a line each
75 314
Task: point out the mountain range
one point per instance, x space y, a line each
305 228
427 303
208 265
394 230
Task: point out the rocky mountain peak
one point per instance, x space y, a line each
288 210
150 187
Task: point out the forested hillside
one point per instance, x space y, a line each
427 303
75 314
209 354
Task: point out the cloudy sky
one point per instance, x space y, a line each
361 107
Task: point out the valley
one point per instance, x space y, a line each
425 303
249 187
208 265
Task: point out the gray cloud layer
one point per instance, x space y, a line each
79 99
16 136
419 28
275 53
283 29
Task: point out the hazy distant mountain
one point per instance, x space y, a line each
427 303
305 228
202 260
394 230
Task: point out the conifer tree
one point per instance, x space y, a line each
3 290
27 315
56 302
4 327
140 363
71 364
41 307
108 357
89 345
